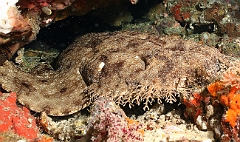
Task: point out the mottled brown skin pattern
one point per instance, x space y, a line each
138 67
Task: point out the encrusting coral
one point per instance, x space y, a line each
109 123
227 91
129 67
16 119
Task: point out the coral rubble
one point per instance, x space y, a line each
64 129
129 67
161 124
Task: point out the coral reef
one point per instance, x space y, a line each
108 122
17 29
226 90
21 20
214 23
205 112
72 128
220 17
193 106
26 16
20 26
165 123
16 119
130 67
162 122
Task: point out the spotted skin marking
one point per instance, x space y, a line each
138 67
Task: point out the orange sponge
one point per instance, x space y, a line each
214 87
230 100
231 117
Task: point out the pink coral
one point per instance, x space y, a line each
109 123
15 118
232 76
